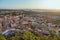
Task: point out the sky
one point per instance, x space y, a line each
29 4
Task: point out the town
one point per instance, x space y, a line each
21 22
14 21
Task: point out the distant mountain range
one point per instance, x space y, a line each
41 10
45 12
36 10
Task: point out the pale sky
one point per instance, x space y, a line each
29 4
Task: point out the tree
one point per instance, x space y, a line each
53 35
2 37
28 36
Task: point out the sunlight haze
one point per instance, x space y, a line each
29 4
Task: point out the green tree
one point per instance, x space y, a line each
28 36
53 35
2 37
